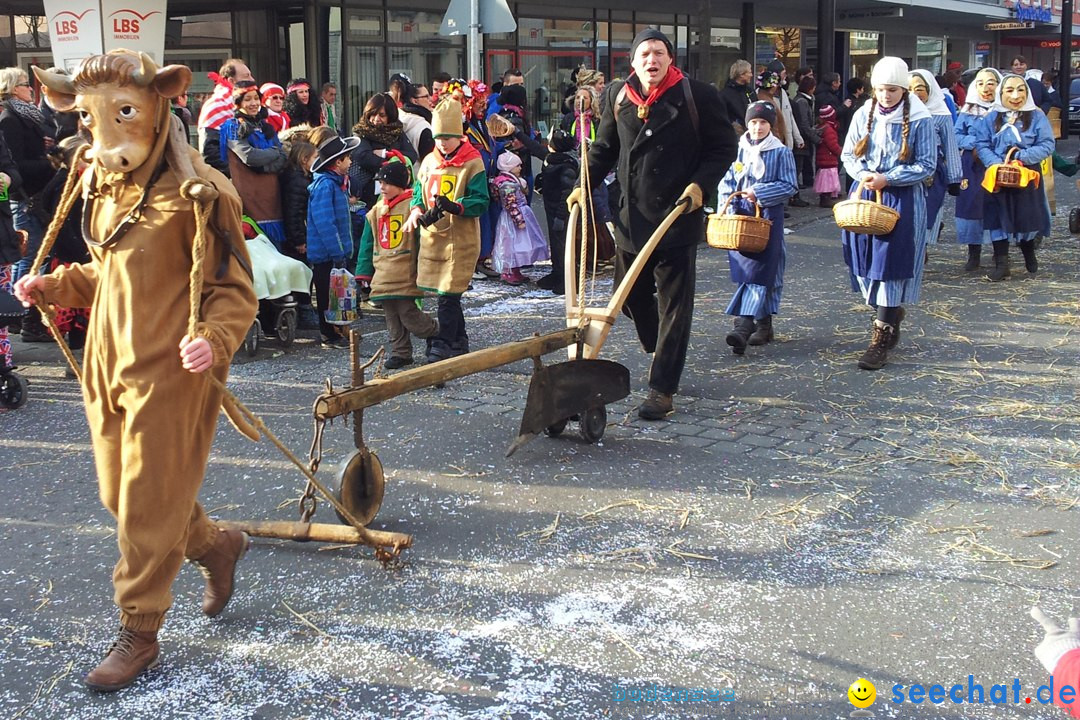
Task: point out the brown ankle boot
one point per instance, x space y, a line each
131 653
218 566
875 355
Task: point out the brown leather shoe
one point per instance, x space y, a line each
218 566
131 653
656 407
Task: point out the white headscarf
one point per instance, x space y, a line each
975 105
889 71
1034 73
917 111
1000 106
935 99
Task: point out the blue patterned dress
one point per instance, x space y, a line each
1016 214
971 202
888 269
760 276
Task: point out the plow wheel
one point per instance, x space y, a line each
593 422
361 484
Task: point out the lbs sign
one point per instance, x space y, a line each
80 28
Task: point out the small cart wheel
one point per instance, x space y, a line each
13 391
286 326
251 340
593 424
1074 220
555 429
361 485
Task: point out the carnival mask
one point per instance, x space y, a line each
1014 93
918 87
986 84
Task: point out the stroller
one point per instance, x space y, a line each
13 386
275 278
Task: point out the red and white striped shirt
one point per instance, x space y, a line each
217 109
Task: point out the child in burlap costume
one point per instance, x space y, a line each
449 195
387 259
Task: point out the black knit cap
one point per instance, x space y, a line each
561 141
651 34
395 173
762 110
513 95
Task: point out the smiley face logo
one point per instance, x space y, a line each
862 693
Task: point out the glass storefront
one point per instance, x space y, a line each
930 54
864 49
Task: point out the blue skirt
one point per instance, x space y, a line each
1018 214
935 201
891 256
760 268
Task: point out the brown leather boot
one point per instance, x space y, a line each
132 652
218 566
875 356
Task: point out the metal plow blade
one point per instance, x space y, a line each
561 391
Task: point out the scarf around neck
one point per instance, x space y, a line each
633 93
751 153
27 111
388 134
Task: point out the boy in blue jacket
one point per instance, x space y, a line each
329 226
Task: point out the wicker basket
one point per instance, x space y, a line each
865 217
1007 174
1054 117
744 233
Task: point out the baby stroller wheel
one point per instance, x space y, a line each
13 390
1074 220
251 340
286 326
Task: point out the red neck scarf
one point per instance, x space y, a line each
674 77
459 157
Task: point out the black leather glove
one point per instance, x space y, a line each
954 189
449 206
431 217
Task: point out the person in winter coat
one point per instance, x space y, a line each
449 196
783 100
973 197
273 99
556 182
828 92
805 121
28 139
253 152
827 179
380 131
10 241
738 93
669 139
329 226
219 108
765 172
302 105
388 260
524 142
948 173
1021 214
892 148
519 241
295 179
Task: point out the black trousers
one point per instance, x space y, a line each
452 339
805 165
661 304
321 276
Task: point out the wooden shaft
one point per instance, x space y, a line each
318 532
376 390
618 299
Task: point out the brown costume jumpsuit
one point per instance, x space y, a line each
152 421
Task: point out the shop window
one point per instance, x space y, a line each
408 26
363 26
367 75
200 30
6 43
929 54
784 43
31 32
864 49
422 63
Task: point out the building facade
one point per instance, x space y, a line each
358 44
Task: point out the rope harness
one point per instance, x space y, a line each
588 220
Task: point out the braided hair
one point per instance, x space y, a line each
905 146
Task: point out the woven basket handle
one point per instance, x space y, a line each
863 186
740 193
1009 155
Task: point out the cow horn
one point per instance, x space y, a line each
144 74
62 84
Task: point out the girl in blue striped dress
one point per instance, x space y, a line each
948 173
890 147
971 202
1019 215
765 171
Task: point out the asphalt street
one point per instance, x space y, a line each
797 524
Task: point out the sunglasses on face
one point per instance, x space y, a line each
275 97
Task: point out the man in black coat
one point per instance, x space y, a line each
738 93
669 140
